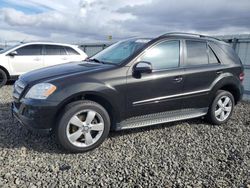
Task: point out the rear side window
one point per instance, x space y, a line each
54 50
196 53
212 58
30 50
230 52
71 51
164 55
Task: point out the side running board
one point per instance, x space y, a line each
162 117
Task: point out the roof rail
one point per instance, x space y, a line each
189 34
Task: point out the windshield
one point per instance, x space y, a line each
119 51
8 48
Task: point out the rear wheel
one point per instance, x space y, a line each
3 78
83 126
221 108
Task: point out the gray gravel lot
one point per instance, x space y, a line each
183 154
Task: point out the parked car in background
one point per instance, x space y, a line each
26 57
133 83
1 49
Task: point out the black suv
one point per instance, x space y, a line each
133 83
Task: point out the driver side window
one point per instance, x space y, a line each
164 55
30 50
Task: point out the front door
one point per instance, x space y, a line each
159 90
28 58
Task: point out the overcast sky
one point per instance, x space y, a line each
93 20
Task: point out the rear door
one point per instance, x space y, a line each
28 58
55 54
201 67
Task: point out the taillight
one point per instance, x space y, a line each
241 77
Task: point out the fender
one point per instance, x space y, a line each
94 88
226 79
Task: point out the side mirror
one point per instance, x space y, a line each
143 67
13 53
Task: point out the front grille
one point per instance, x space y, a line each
19 87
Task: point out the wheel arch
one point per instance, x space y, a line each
230 84
6 71
96 97
234 90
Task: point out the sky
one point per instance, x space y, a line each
76 21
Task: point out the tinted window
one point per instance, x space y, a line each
54 50
164 55
30 50
71 51
212 57
196 53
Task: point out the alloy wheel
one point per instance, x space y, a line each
85 128
223 108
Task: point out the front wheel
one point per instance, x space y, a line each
221 108
83 126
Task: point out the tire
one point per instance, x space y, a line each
90 132
222 103
3 78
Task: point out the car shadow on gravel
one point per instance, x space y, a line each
13 135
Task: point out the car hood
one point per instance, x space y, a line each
62 70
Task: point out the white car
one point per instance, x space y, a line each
26 57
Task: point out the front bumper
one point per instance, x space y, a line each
35 114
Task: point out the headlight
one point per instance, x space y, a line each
40 91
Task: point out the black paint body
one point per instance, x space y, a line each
124 94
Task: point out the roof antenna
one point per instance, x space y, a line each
23 41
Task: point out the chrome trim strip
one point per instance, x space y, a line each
19 87
15 95
20 84
156 100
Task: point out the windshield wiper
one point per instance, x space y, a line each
98 61
95 60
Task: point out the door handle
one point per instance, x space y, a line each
219 72
64 58
37 59
178 79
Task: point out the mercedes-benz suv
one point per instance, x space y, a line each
133 83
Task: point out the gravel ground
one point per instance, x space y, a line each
183 154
